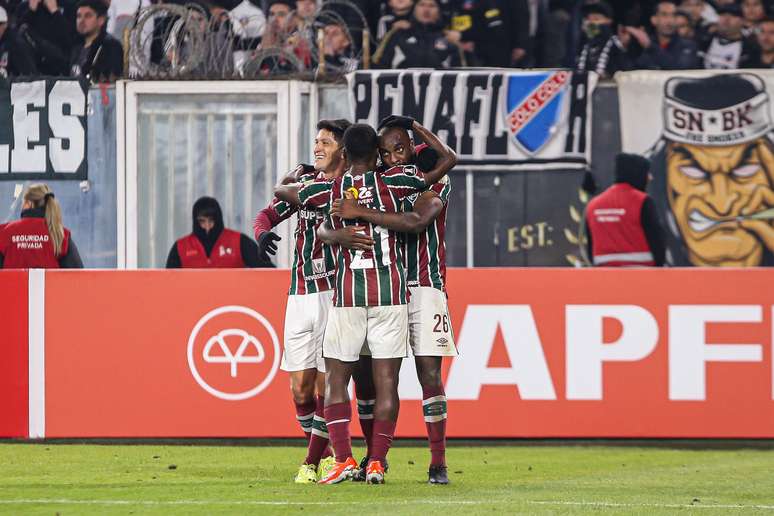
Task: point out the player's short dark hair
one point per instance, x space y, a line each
338 127
98 6
360 142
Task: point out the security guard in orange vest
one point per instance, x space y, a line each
622 226
212 246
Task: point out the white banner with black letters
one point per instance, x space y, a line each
494 119
43 129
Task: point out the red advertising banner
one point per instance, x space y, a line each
543 353
14 404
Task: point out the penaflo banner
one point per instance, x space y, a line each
493 119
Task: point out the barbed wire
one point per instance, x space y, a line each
170 41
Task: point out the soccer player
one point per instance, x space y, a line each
309 298
423 224
370 295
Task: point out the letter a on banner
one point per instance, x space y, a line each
528 371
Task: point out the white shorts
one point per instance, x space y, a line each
383 330
305 319
430 329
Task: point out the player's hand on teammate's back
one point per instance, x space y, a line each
345 208
353 237
404 122
266 243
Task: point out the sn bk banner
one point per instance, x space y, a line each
493 119
43 129
711 140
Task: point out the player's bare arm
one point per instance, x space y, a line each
351 237
447 158
288 193
427 207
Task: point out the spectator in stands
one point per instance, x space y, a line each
305 9
397 14
702 13
684 25
423 45
666 50
528 20
211 245
121 14
753 11
44 26
602 50
765 37
338 48
728 48
99 57
556 34
39 239
248 23
284 31
488 29
16 55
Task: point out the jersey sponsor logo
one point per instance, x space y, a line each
310 214
534 107
233 353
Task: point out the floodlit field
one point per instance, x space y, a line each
492 478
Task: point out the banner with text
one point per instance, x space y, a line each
43 129
493 119
542 353
711 140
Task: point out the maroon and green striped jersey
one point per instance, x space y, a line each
313 261
424 253
376 277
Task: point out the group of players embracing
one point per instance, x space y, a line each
367 281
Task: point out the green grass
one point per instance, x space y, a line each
490 478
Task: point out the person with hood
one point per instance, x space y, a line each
39 239
423 45
212 246
622 225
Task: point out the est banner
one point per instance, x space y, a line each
493 119
711 140
43 129
542 353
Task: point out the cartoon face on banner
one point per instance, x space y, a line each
714 171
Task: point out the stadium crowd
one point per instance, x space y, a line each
85 37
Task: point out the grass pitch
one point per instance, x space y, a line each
487 478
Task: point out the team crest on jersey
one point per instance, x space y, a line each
318 265
225 251
534 107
